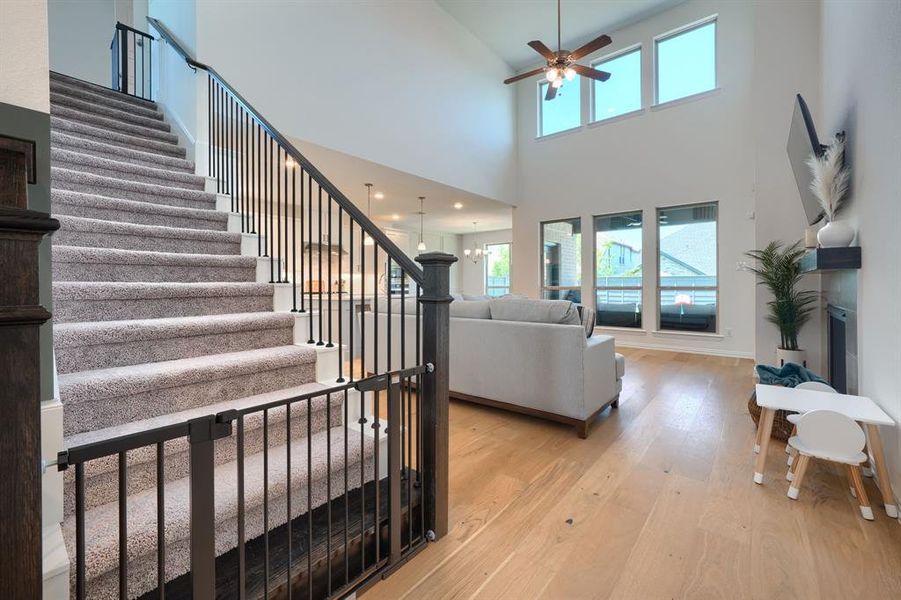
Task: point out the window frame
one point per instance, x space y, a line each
594 262
540 102
715 288
675 33
542 286
592 117
485 268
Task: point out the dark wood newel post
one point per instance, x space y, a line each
21 315
435 299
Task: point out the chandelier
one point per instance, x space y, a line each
474 254
421 246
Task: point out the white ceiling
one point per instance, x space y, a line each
506 26
401 191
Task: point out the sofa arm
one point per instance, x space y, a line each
599 369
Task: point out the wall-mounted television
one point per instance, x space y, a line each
802 143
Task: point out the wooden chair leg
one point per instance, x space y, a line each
800 470
792 466
883 479
865 510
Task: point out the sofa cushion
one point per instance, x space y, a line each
474 297
561 312
620 365
471 309
587 315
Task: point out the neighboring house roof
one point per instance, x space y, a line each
686 250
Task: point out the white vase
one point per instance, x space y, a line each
799 357
836 234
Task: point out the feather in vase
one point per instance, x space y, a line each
830 177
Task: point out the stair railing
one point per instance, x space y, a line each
131 53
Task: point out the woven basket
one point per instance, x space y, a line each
782 429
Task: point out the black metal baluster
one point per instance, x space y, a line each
278 213
389 325
346 496
328 488
310 252
330 281
245 213
242 561
310 498
123 526
270 238
288 492
375 395
352 302
284 273
261 222
209 132
419 414
150 63
319 272
160 521
231 151
294 173
80 551
340 294
265 503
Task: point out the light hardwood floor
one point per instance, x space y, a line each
658 502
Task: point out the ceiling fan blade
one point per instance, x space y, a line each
543 50
591 73
595 44
551 92
531 73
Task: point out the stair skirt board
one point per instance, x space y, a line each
101 523
360 557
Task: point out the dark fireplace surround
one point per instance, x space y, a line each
840 295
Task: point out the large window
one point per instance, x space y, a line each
687 267
564 111
497 269
617 265
561 257
621 93
686 62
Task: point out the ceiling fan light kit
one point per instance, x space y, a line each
561 65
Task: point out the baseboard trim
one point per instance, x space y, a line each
687 350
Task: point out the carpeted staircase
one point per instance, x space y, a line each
159 319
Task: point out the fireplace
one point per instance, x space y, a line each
837 343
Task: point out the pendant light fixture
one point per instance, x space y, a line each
474 254
421 246
367 239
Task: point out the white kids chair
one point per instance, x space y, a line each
828 435
793 419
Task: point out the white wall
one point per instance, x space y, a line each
786 62
23 55
402 84
695 151
80 35
861 93
473 275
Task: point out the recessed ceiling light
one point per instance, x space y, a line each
395 216
378 195
458 205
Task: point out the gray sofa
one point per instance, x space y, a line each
529 356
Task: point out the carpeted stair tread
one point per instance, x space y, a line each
99 233
98 148
105 167
328 465
73 83
125 113
99 344
76 301
80 204
157 133
115 138
89 386
61 93
111 187
80 263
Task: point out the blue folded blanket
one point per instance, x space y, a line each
788 375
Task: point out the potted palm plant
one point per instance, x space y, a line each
779 269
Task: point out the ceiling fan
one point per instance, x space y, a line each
562 63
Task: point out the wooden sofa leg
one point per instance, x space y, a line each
582 429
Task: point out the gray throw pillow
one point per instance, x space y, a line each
561 312
474 309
